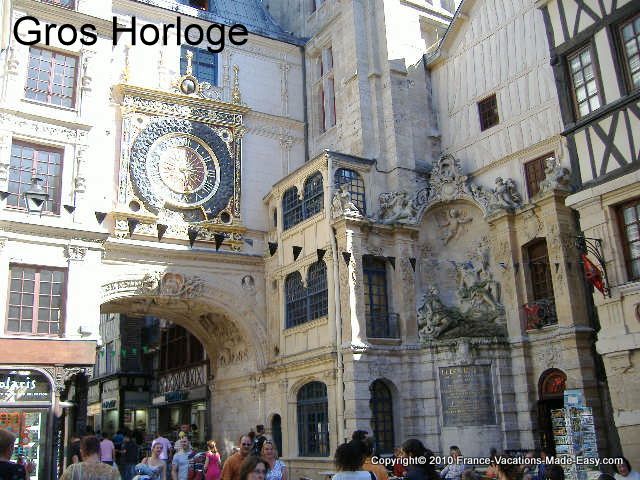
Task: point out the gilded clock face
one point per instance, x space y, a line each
184 166
183 170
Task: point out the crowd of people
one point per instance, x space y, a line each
256 458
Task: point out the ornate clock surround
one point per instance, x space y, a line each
180 165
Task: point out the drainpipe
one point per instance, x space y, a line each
338 319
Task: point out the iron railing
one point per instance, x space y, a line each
541 313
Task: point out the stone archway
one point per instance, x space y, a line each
226 321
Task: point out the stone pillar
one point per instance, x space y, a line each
403 283
349 240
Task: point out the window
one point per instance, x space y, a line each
488 112
584 86
28 161
534 172
291 208
204 64
382 417
36 300
51 77
317 291
110 362
355 186
380 324
313 420
630 33
178 348
70 4
295 210
541 311
630 223
306 304
325 90
313 195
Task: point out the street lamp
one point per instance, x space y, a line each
35 197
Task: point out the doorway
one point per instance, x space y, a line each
551 388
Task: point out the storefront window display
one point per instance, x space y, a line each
25 410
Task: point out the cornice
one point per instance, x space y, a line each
175 98
151 252
47 11
45 120
47 234
300 361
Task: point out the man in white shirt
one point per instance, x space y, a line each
166 446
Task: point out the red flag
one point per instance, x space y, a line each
592 274
533 315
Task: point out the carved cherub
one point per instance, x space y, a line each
454 219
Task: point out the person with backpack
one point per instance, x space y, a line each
258 441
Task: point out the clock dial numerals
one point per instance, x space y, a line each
183 170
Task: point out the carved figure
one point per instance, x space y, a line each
454 221
505 195
397 207
434 318
556 177
342 204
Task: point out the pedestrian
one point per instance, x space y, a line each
421 467
166 447
153 466
359 435
8 469
399 469
625 472
554 472
180 461
91 467
507 470
378 470
107 450
253 468
544 453
74 449
258 441
348 460
212 464
277 468
231 468
130 453
455 468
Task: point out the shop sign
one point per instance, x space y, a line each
136 399
17 386
93 409
177 396
109 404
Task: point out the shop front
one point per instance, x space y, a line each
110 407
184 410
26 409
135 414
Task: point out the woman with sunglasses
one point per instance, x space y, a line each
277 468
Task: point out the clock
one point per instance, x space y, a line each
184 166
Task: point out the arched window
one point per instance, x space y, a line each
317 290
313 195
291 208
355 186
296 300
382 417
313 420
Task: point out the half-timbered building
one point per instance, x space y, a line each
595 55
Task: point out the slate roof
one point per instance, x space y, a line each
251 13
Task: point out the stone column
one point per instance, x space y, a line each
403 283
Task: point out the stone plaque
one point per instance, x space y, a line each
466 392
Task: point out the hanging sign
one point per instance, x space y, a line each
18 386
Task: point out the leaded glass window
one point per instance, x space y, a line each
291 208
376 300
355 186
313 195
296 301
313 420
317 293
382 417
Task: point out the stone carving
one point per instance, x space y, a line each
230 344
173 110
397 207
34 128
171 285
447 184
342 204
556 177
479 311
505 196
452 221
